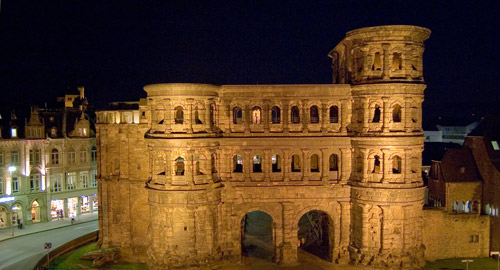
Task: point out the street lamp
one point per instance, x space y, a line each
498 258
12 169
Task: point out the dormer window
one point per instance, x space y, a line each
495 145
13 132
53 132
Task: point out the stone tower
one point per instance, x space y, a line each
180 171
384 66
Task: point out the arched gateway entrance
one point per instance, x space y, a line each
257 237
316 234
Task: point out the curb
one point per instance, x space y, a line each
46 230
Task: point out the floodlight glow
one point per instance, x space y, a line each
11 168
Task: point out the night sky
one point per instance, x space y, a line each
114 48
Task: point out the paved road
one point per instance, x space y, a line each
25 251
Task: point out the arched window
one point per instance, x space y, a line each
376 164
71 156
179 166
396 61
396 113
295 163
461 206
93 154
83 155
295 115
276 163
275 115
396 165
314 163
376 114
238 164
314 114
179 115
237 115
333 163
197 116
377 62
257 167
455 206
55 156
334 114
256 115
197 166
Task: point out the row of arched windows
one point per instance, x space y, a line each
466 206
179 115
276 162
376 166
396 114
396 61
294 115
54 155
491 210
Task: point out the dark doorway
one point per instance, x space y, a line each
257 236
316 234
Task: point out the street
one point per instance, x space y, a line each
25 251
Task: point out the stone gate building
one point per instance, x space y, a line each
179 170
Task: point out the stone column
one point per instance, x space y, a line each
344 113
366 115
406 165
265 115
266 164
289 248
168 116
206 116
286 165
324 116
324 165
225 117
386 167
188 122
345 164
364 171
247 117
285 114
386 114
306 164
407 115
247 164
386 67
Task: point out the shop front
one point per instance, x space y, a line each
35 211
84 204
72 207
17 214
4 217
56 209
95 204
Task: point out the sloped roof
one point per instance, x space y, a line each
458 165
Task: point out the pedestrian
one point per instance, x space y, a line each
19 223
73 220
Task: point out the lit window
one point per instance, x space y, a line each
238 164
15 184
13 132
257 164
71 181
276 162
84 179
34 182
495 145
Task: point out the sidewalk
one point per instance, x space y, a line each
45 226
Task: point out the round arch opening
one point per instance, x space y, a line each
35 211
315 233
257 236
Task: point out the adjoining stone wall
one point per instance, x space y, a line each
449 235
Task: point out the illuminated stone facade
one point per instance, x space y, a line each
180 169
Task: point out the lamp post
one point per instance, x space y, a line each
12 169
498 258
467 263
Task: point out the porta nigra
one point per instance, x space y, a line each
183 171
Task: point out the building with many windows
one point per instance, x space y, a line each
50 171
184 172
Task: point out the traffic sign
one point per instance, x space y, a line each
47 245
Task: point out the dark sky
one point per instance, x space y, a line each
114 48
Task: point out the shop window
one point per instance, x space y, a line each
295 163
396 165
257 166
376 164
275 115
179 166
334 114
314 114
377 62
179 115
314 163
376 114
35 211
71 156
276 163
333 163
396 61
295 115
238 164
396 113
237 115
197 116
256 115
